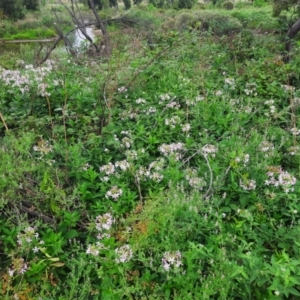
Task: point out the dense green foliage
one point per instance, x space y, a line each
16 9
13 9
162 172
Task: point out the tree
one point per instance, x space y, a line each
127 4
31 4
97 4
14 9
294 23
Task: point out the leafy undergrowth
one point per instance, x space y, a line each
170 173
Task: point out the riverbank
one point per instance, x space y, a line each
2 41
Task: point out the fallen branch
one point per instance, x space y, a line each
37 214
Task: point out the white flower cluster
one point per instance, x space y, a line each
103 223
164 97
288 88
141 101
280 178
185 127
129 114
194 181
122 89
172 149
126 142
43 147
294 150
95 249
295 131
173 104
171 259
107 169
114 193
250 89
157 164
230 82
243 158
123 254
209 149
248 185
193 102
85 167
143 173
123 165
42 89
132 155
29 237
173 121
19 267
150 110
266 147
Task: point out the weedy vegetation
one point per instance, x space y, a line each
168 169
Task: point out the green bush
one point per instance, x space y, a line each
228 5
219 24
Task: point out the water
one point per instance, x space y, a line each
76 38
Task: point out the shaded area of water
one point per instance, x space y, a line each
76 38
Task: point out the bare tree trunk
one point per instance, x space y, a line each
80 25
292 32
99 21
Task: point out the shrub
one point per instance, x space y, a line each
228 5
219 24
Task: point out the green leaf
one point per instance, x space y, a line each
72 233
293 291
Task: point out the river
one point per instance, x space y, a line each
76 38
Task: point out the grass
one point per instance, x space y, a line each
31 34
169 172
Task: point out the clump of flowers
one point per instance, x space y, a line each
123 254
280 178
107 169
140 101
157 164
172 149
43 147
266 147
295 131
42 89
171 260
244 158
123 165
230 82
173 104
85 167
193 102
250 89
288 88
122 89
248 185
114 193
186 127
173 121
129 114
95 249
104 222
18 267
126 142
194 181
164 97
209 149
294 150
29 238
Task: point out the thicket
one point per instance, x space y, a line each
16 9
169 170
